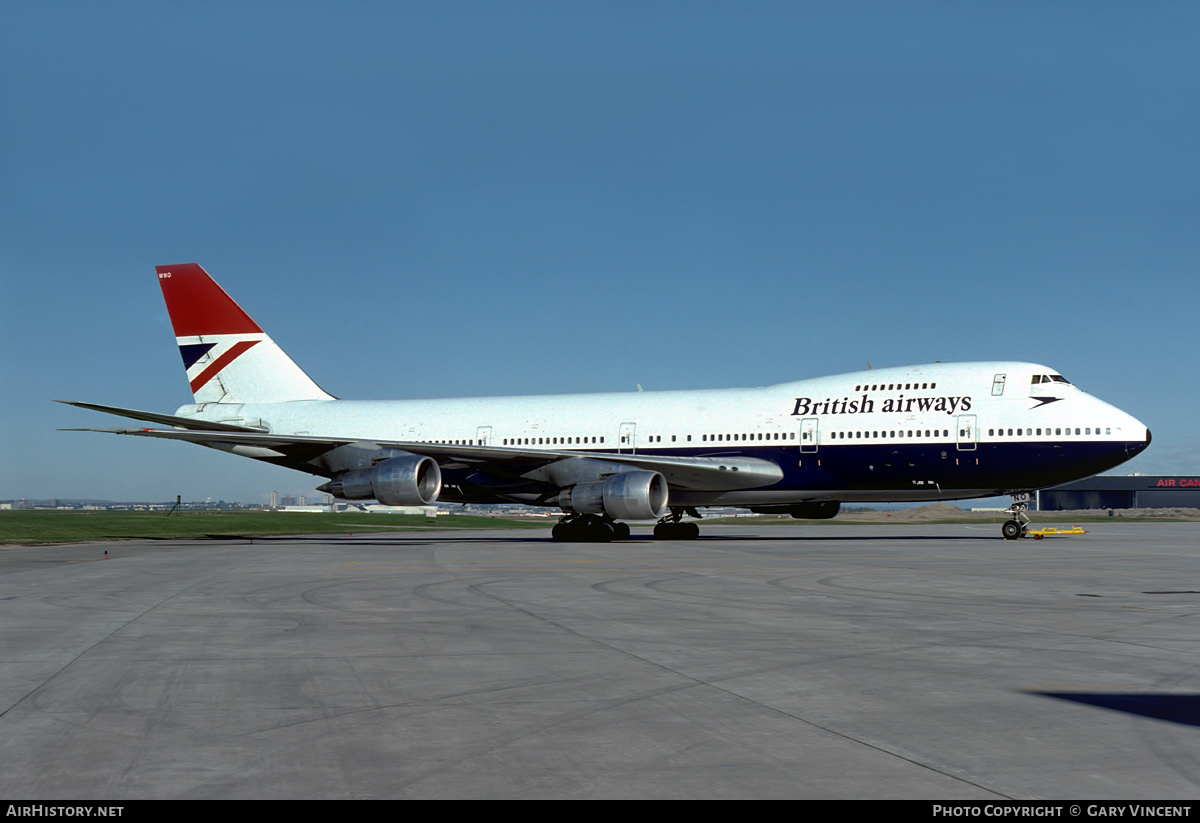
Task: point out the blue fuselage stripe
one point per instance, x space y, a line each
909 466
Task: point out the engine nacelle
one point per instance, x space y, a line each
410 480
636 495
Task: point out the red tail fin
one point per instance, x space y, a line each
197 305
228 358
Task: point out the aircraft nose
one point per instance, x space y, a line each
1138 448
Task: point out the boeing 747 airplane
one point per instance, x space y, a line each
943 431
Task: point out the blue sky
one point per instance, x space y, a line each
453 199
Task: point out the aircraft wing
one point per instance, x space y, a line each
307 453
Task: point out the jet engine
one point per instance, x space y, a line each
408 480
635 495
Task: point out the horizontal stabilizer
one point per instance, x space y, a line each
163 419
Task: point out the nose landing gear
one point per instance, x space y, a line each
1018 526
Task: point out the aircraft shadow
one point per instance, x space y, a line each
1177 708
544 537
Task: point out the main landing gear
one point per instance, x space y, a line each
672 527
588 528
600 528
1018 526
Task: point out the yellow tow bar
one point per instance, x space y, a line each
1038 534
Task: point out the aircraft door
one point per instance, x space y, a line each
809 436
627 439
966 433
483 436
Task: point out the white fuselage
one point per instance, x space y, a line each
938 431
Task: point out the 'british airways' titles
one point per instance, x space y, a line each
807 407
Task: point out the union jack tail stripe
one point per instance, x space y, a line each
213 358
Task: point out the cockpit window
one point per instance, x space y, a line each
1058 378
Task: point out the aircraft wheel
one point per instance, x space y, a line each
587 529
599 532
621 531
1011 530
676 531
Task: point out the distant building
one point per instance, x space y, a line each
1127 492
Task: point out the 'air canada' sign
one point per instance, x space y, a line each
807 407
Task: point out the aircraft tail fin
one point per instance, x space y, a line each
228 358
